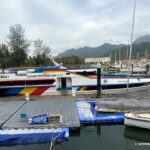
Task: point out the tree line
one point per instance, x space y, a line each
15 52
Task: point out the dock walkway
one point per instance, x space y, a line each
7 109
62 105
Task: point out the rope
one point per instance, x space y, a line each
55 139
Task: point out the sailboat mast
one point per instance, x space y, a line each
115 57
119 54
110 58
131 42
146 55
138 57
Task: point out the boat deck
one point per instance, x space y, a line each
46 104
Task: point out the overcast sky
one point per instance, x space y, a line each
64 24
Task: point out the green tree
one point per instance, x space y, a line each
18 45
41 53
71 60
4 56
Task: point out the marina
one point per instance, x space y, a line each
69 107
65 111
94 96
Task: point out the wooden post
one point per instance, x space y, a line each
132 68
98 82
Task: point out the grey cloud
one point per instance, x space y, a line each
72 23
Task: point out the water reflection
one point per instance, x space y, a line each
27 147
98 131
93 129
137 134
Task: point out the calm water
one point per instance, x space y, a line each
105 137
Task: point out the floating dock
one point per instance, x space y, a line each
8 109
39 105
88 114
12 107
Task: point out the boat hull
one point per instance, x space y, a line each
136 122
56 82
53 90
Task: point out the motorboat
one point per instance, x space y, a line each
138 119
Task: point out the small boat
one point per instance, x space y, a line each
138 119
122 105
32 136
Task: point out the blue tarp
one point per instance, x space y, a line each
40 119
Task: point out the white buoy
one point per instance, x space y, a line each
60 118
73 93
27 96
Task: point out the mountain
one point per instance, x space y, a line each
142 39
89 51
105 49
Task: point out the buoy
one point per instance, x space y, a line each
73 93
60 118
27 96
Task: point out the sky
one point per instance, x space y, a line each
65 24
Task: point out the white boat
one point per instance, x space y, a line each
138 119
54 80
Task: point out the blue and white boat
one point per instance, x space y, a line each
54 80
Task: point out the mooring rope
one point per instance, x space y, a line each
55 139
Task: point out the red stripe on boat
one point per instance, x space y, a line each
39 91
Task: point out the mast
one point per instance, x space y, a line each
110 57
127 57
146 55
115 58
138 56
119 54
131 42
